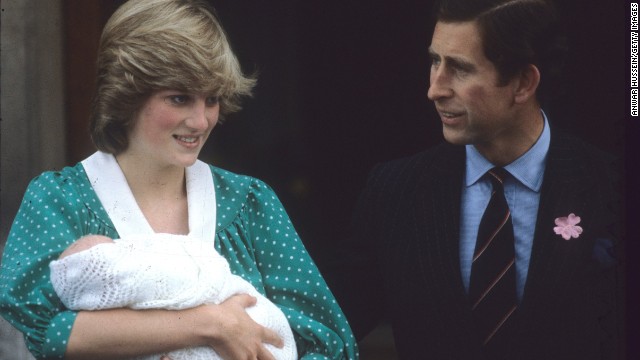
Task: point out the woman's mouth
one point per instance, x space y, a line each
188 141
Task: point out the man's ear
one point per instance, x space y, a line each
526 84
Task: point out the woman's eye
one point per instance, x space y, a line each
178 99
212 100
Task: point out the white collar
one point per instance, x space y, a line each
110 184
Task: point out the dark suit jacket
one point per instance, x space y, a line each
403 260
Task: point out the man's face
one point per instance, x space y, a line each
464 88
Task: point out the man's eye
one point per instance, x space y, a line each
463 68
212 100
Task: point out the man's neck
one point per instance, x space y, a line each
518 142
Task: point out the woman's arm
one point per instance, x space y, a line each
293 282
59 208
121 333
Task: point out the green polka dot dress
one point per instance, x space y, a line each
253 232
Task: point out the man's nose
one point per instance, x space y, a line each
439 85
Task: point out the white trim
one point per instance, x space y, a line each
110 184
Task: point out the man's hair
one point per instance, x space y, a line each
514 33
151 45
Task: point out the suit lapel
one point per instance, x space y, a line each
564 191
437 211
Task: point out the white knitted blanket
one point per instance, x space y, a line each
161 271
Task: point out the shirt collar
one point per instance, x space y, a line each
528 168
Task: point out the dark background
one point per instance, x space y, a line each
342 85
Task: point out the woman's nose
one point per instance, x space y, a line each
199 116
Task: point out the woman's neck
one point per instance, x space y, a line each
160 193
152 183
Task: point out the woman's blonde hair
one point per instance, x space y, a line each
150 45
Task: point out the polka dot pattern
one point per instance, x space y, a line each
254 234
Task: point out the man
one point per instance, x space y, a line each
419 228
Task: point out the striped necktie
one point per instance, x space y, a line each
492 288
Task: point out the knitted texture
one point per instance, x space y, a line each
161 271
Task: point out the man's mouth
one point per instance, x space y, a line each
450 114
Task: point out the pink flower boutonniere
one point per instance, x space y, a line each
568 226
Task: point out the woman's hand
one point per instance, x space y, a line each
123 333
235 335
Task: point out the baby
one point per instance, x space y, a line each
160 271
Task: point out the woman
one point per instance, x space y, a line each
166 75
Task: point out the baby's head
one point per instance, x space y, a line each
85 243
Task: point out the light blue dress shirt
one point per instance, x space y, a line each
522 192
